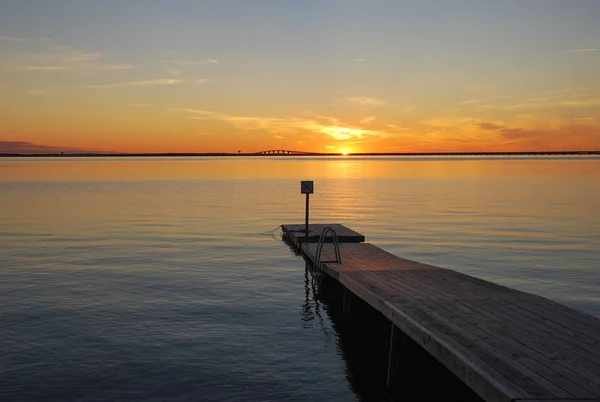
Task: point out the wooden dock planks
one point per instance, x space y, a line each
295 233
505 344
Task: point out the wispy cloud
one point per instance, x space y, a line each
367 101
395 127
581 102
44 54
12 39
113 67
367 120
489 126
324 125
190 62
140 105
576 137
359 59
77 56
279 137
43 68
546 100
36 91
469 102
442 122
552 137
342 133
581 50
147 83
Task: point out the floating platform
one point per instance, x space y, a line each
504 344
295 234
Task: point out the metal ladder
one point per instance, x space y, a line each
318 265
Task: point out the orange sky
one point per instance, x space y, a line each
316 76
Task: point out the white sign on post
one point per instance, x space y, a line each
307 187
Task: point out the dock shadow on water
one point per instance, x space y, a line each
363 335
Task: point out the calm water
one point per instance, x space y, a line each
149 279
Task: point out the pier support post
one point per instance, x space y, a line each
396 352
391 355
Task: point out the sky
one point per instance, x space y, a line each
316 76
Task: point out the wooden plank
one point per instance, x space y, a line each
470 336
568 320
507 313
575 335
565 363
562 350
503 343
512 353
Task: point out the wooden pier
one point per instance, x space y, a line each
504 344
295 234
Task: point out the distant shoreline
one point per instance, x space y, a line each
296 153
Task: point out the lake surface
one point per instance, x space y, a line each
150 279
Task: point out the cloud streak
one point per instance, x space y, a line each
559 137
367 120
489 126
113 67
43 68
548 100
148 83
326 126
45 55
190 62
581 50
367 101
12 39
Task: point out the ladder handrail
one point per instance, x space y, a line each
336 247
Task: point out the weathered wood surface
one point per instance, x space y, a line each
295 233
505 344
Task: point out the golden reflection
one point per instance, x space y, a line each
287 167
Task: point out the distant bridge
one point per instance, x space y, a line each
282 152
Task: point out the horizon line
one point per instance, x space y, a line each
287 153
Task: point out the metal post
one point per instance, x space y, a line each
306 187
306 221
